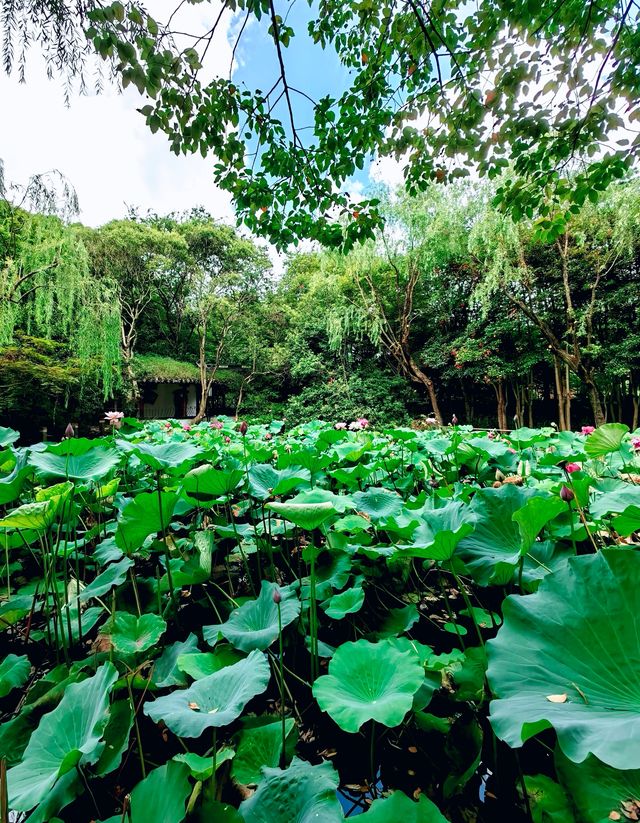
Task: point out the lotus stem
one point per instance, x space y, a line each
281 678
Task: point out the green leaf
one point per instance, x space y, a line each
398 808
14 672
114 575
142 516
534 516
207 483
379 503
605 439
493 551
596 789
254 625
347 602
266 482
305 515
68 736
165 670
214 701
202 664
302 793
567 656
160 797
260 745
439 532
547 800
168 457
91 465
369 681
38 516
116 736
201 768
131 634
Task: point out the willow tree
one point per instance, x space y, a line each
46 287
571 271
399 286
134 258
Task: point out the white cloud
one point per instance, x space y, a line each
102 144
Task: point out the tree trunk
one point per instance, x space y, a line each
501 399
418 376
562 424
596 403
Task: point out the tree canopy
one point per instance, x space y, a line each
545 90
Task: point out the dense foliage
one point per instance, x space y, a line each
248 623
545 88
452 310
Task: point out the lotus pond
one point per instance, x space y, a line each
266 624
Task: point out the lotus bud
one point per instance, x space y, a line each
572 467
243 428
566 494
277 596
69 432
454 420
499 475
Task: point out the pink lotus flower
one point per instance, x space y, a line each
355 426
168 426
227 440
186 427
114 418
491 435
635 443
572 467
268 436
588 429
340 426
216 424
363 422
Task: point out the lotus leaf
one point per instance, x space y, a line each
213 701
254 625
369 681
567 657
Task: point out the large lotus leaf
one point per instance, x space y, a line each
305 515
440 531
567 657
534 516
90 465
207 483
378 503
160 797
266 482
398 808
493 551
597 790
168 457
214 701
68 736
340 502
131 634
302 794
605 439
14 672
369 681
143 516
254 625
38 516
260 745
